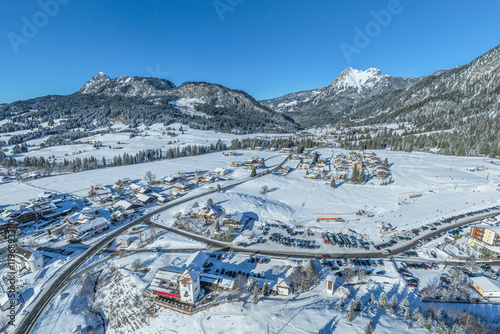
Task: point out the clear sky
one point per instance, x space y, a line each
267 48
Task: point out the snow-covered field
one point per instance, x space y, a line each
446 186
80 183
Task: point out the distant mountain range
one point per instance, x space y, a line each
464 99
368 97
349 88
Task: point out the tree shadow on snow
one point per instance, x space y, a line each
330 326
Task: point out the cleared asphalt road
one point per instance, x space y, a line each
309 255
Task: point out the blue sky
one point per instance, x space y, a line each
267 48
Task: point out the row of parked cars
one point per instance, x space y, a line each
420 265
343 240
352 262
293 242
54 250
234 274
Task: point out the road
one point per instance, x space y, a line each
65 277
311 255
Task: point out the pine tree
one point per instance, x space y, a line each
350 314
441 328
382 301
405 307
386 163
265 289
255 299
362 176
333 184
394 301
369 327
253 173
355 174
219 188
263 165
372 298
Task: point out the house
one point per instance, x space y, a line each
358 165
236 164
352 155
162 199
237 221
120 216
230 154
26 259
305 166
321 163
207 212
486 287
175 194
180 283
208 179
144 199
95 226
220 171
283 287
182 186
285 169
382 173
47 195
168 179
124 241
128 205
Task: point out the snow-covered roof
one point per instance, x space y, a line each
26 254
126 205
143 198
92 224
486 283
196 260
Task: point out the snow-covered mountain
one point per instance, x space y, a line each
187 97
137 100
468 92
125 86
350 87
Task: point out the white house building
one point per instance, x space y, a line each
182 283
26 259
282 287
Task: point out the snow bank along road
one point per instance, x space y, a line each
64 278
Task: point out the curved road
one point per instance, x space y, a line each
65 277
310 255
